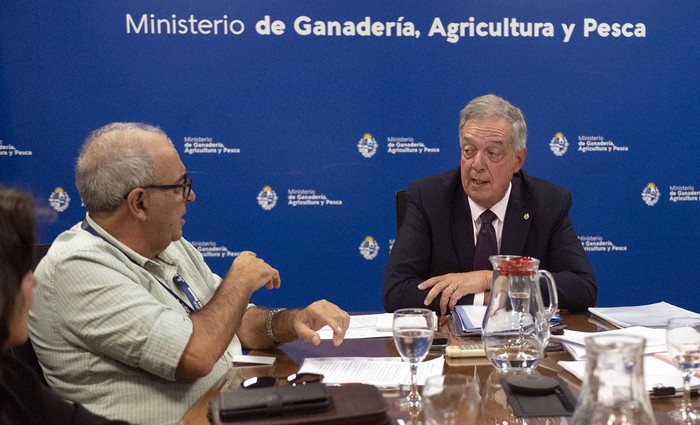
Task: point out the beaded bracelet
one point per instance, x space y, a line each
268 325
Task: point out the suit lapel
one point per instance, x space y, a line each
518 219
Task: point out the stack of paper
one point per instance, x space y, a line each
574 341
385 322
656 373
366 326
363 326
658 370
651 315
467 320
385 372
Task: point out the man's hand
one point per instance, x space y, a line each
317 315
251 273
453 286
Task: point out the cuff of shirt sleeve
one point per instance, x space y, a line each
167 341
479 298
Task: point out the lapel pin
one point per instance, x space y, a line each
526 216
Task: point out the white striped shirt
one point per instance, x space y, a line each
110 336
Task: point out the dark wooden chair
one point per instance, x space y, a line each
401 205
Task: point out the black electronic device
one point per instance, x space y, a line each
536 395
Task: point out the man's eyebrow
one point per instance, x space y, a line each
494 140
497 141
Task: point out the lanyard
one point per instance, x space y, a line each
184 287
177 279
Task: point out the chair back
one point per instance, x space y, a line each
401 205
39 252
25 353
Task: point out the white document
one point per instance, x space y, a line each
385 322
650 315
254 360
377 325
574 341
656 373
383 372
362 326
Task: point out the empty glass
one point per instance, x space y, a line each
450 400
683 342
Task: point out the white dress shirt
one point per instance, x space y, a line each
500 210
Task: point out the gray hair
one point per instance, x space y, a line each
492 105
113 161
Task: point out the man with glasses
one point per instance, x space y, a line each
439 259
127 317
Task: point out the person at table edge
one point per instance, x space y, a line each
128 319
431 261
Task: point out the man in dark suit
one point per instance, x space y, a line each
432 260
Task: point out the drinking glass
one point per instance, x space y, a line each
683 342
413 333
451 400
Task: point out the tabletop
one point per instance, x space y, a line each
495 409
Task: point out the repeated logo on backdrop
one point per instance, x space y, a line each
11 150
599 144
408 145
651 194
310 198
207 146
59 200
367 146
559 145
683 193
369 248
267 198
600 244
210 249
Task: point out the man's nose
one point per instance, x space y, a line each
479 160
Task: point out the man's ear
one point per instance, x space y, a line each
137 203
519 160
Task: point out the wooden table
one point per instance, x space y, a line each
495 409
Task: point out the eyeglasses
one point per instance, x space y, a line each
270 381
186 187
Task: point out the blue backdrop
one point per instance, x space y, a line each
299 120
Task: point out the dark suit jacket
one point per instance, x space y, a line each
24 400
437 238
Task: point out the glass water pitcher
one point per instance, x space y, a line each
515 330
613 390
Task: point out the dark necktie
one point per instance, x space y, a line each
486 244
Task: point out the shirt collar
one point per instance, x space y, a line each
133 255
499 208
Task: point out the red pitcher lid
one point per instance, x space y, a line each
517 266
